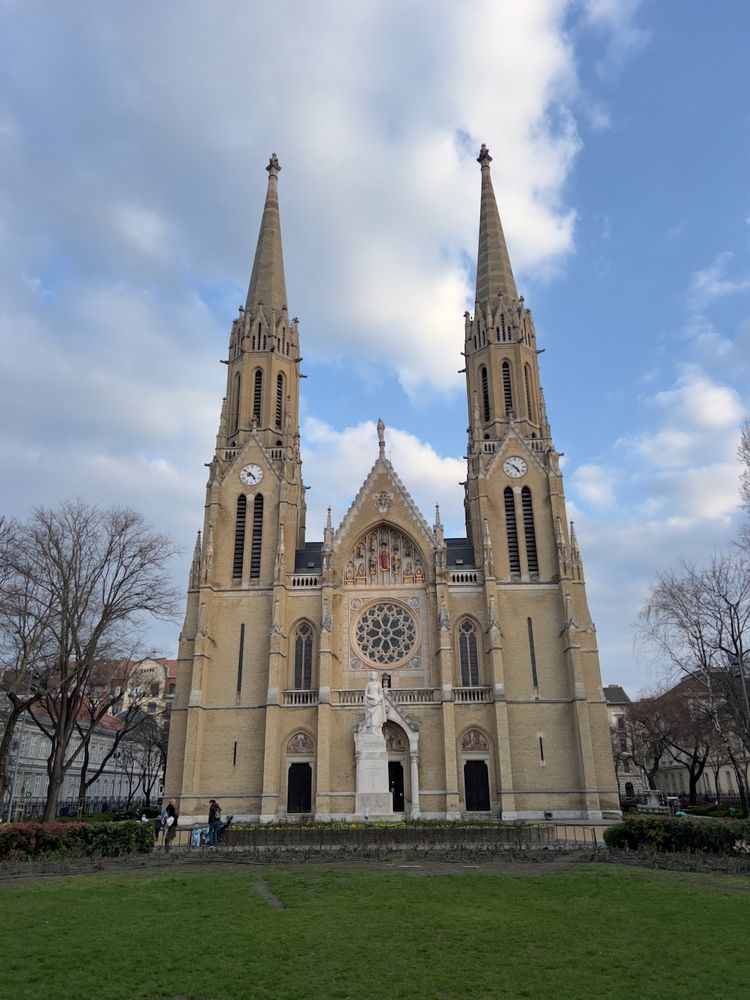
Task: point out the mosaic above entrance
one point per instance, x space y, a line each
384 556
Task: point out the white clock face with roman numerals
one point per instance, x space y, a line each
515 467
251 475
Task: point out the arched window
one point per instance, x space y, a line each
239 537
528 527
303 657
511 529
257 542
279 412
467 653
529 398
485 394
234 416
258 395
507 389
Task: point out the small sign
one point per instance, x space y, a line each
28 795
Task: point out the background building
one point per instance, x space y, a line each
486 642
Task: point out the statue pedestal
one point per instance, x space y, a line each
374 798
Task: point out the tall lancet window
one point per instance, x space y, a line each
511 529
258 395
303 656
257 542
239 537
528 527
485 394
279 413
507 388
234 414
468 653
530 412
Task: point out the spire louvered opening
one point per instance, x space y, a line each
279 413
507 389
234 418
257 542
530 412
511 529
239 537
258 395
528 527
485 394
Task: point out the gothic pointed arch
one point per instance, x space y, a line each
469 666
385 556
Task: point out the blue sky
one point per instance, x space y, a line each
133 142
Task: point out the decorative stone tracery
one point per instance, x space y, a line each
384 556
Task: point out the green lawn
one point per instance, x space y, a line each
375 931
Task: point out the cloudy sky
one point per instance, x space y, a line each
133 141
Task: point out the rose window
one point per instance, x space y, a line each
386 633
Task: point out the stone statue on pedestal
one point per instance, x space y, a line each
374 705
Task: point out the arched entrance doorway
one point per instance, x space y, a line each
299 752
475 756
396 743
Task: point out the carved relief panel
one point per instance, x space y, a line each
384 557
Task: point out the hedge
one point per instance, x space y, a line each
650 833
34 840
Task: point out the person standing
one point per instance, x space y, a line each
214 823
169 825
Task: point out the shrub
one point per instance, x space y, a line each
35 840
651 833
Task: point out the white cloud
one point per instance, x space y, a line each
712 283
341 460
595 484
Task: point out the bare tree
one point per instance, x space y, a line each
99 575
692 737
698 622
27 652
648 730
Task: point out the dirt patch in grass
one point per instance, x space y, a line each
261 887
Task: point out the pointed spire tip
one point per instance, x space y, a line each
274 166
484 157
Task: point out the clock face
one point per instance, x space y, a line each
515 467
251 475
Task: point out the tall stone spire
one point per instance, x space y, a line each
267 284
494 273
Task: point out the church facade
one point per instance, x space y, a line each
484 645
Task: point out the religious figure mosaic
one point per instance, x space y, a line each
474 741
384 556
299 743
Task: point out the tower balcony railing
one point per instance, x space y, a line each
305 579
308 696
472 695
277 454
467 576
489 447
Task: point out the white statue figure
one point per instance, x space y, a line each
374 705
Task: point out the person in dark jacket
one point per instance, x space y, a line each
214 823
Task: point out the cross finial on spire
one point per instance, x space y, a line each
484 157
